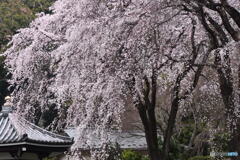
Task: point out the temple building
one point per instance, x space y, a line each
22 140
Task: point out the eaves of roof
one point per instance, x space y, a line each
15 130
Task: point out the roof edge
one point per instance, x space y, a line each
37 144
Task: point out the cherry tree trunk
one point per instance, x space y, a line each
149 123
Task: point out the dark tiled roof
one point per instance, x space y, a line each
8 133
14 129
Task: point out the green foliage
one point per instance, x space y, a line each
221 141
179 142
131 155
3 83
186 132
53 158
3 71
16 14
201 158
39 5
13 15
176 150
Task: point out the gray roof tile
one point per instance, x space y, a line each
126 140
15 129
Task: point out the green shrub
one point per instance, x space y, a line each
176 151
131 155
200 158
50 158
221 141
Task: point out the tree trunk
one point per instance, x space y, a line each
146 111
227 93
170 127
150 134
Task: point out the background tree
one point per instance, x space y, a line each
38 6
15 14
225 38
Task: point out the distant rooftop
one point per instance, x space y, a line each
127 140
